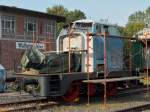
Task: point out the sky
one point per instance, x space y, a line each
115 11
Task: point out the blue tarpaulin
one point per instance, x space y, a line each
2 78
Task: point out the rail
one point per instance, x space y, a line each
26 105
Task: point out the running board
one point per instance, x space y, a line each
112 79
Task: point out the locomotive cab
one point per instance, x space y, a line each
77 35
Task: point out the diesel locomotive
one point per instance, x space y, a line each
79 54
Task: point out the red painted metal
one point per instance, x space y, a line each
73 93
92 89
111 89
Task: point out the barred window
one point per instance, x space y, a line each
8 24
30 25
50 28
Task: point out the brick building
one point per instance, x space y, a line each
20 28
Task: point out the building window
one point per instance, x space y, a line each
30 26
50 28
8 24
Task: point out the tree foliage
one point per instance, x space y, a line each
57 10
122 30
140 16
133 28
70 15
137 17
136 22
75 15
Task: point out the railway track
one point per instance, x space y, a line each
37 104
27 105
140 108
132 91
125 101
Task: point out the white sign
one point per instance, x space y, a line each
27 45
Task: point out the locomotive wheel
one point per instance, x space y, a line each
111 89
72 94
92 89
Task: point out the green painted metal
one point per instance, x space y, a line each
34 60
137 55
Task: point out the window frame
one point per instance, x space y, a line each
30 21
50 28
11 28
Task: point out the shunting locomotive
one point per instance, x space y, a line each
79 54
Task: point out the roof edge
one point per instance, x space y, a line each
13 9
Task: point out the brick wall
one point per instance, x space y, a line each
19 25
10 56
40 27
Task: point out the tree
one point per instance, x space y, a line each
75 15
70 15
122 30
140 16
137 17
57 10
133 28
147 16
137 21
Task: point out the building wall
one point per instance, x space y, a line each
7 52
19 25
10 56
